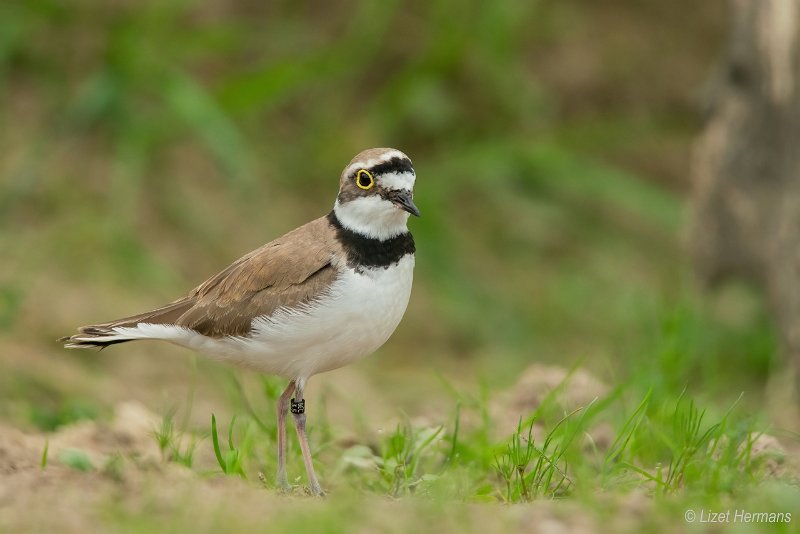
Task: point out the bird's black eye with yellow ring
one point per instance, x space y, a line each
364 179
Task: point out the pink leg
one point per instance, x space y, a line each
300 426
283 408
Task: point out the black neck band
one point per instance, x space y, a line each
363 251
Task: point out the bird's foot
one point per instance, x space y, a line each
282 483
315 490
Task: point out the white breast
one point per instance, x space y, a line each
353 319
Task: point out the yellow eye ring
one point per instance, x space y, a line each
364 179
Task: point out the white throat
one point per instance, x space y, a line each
372 217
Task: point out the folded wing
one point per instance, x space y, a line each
292 270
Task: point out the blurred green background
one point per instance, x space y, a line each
148 144
145 145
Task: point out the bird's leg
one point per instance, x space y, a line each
283 408
298 413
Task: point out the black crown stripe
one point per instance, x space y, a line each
365 251
396 164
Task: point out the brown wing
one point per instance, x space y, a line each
289 271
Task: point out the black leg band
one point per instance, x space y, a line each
298 407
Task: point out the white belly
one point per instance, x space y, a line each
354 318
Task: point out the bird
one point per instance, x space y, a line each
320 297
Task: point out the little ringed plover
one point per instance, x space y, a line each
320 297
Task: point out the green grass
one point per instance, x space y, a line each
673 450
76 459
675 453
169 440
231 460
45 451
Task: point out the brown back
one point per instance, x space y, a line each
293 269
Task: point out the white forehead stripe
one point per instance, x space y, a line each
386 156
398 180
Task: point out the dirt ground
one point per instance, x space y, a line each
122 483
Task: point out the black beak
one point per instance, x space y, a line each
402 199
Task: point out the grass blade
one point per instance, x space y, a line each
217 451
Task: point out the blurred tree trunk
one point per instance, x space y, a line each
746 168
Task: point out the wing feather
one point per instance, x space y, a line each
291 270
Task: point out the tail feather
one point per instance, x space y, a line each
120 330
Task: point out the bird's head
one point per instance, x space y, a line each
376 193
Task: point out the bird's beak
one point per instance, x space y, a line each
402 199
